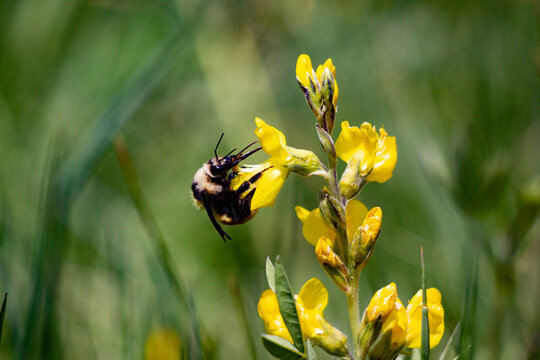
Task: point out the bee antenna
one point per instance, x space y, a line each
230 152
217 145
247 147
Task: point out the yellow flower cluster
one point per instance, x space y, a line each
403 326
310 303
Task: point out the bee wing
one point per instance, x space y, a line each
210 213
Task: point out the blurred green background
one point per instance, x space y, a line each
90 273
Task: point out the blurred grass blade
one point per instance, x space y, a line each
466 338
236 295
449 343
310 351
3 314
425 318
158 240
280 348
287 306
270 274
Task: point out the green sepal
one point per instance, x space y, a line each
270 274
287 306
280 348
310 351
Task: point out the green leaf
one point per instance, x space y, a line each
310 351
270 274
3 314
287 306
280 348
449 343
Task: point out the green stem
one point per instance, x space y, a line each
354 313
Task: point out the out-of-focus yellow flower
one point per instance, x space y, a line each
369 156
310 303
163 344
314 227
309 78
435 316
273 142
267 187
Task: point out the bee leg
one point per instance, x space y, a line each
245 206
245 185
210 213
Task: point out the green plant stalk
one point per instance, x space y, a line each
343 243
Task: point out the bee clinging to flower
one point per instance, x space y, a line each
212 190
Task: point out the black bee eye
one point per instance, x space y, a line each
215 169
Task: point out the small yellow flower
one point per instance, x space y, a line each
332 263
435 316
310 303
368 155
382 303
268 309
313 79
163 344
365 237
273 142
267 187
314 227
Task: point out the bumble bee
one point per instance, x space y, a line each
211 189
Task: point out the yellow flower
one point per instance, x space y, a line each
267 187
310 303
268 309
332 263
369 156
314 79
364 239
314 227
382 303
273 142
435 316
163 344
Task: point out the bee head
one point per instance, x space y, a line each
219 166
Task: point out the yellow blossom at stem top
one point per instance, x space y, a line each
313 80
368 155
435 316
314 226
310 303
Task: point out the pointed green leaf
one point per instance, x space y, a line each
280 348
310 351
287 306
3 314
449 343
270 274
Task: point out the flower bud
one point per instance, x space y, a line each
333 341
327 143
392 337
332 263
332 212
365 237
327 97
351 181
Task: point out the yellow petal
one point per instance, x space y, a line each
302 213
355 214
268 309
385 159
328 64
314 295
372 225
383 302
304 69
314 227
435 316
272 140
163 344
359 143
397 323
268 187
